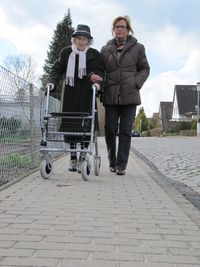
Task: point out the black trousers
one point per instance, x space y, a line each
124 115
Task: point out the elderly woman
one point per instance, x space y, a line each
127 69
78 65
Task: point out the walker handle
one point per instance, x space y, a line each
47 93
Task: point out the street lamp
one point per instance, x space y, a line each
140 127
198 107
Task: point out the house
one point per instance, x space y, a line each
184 102
165 114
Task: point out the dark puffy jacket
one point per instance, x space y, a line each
126 74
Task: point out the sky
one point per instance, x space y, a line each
169 30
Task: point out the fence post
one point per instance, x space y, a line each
32 130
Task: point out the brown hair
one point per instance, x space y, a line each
126 19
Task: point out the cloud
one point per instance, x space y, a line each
173 53
98 15
171 45
191 68
160 87
180 56
32 40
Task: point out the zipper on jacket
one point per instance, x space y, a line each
119 94
119 68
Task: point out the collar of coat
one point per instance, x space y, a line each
111 45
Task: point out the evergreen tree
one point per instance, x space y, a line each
61 38
141 122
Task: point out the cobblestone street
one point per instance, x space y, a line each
176 157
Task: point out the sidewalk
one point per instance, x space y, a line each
110 221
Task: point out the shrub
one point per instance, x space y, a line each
156 132
146 134
9 124
188 132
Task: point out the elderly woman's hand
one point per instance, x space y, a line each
98 87
95 78
51 86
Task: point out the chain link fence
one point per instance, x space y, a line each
21 113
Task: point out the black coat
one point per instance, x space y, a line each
79 97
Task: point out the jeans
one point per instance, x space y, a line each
125 116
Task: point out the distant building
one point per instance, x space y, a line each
184 102
165 114
155 116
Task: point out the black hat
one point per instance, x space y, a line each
82 30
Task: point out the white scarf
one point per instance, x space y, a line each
71 65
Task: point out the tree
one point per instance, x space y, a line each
141 122
61 38
23 68
154 122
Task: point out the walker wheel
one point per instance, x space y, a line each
46 168
85 170
97 165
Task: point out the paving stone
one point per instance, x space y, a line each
91 263
28 262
